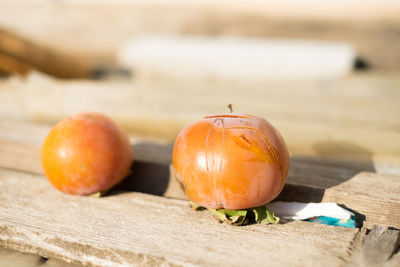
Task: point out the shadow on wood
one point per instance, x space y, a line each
358 217
307 181
345 153
310 177
146 177
150 172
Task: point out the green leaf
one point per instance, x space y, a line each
240 217
263 216
235 217
219 215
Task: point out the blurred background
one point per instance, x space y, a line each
325 73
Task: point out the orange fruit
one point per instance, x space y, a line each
86 153
231 161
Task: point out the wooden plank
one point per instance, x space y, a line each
310 115
21 141
377 247
18 146
314 178
152 160
307 181
377 197
19 56
84 29
393 261
20 156
134 228
24 132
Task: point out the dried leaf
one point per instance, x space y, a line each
239 217
263 216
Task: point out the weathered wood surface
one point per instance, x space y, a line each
377 247
353 119
142 229
133 228
308 181
98 29
375 196
128 226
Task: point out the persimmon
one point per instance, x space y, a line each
85 154
231 161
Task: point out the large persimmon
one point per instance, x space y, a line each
86 153
231 161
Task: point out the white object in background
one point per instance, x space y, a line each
236 58
302 211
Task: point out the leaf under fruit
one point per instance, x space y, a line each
264 216
260 215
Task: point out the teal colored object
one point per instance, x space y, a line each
323 213
334 221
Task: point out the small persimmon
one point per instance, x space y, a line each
85 154
231 161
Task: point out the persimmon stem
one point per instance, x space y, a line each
230 107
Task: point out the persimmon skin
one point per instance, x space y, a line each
231 161
86 153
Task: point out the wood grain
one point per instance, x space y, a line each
157 230
134 228
36 218
152 161
377 247
380 244
375 196
308 181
